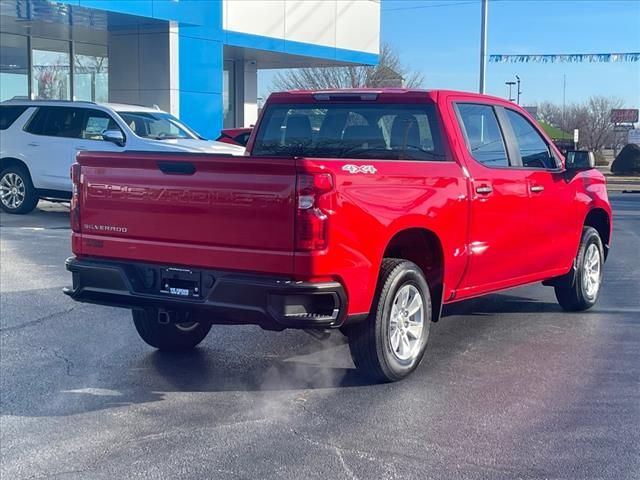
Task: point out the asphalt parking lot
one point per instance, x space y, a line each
510 387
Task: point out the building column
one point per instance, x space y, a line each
200 72
142 65
250 107
246 92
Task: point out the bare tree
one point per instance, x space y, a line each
550 113
592 118
599 129
389 72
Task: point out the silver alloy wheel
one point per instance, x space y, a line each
407 323
187 326
12 190
591 271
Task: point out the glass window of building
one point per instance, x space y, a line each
50 69
14 66
90 72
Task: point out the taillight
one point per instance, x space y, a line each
311 217
75 198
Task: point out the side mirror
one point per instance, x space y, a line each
113 136
579 160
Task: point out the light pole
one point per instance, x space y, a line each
511 84
519 91
483 45
564 103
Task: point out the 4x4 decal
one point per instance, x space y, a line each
359 169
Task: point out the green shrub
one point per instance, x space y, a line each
628 161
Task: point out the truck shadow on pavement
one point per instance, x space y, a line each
69 381
499 303
314 362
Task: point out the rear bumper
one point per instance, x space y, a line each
225 298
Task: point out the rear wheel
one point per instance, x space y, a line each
17 194
584 292
168 336
390 344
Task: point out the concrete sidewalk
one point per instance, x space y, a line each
620 183
616 183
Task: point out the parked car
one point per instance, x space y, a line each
398 202
235 136
39 141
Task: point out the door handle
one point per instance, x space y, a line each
33 144
176 168
536 188
484 190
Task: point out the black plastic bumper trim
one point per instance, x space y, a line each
226 297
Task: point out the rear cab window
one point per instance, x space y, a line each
9 114
351 130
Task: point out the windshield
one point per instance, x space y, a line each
157 126
376 131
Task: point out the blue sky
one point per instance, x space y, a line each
441 39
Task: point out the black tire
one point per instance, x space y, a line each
171 336
30 199
370 342
577 297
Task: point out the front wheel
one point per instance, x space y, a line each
17 194
169 336
584 292
390 344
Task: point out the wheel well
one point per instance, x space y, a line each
598 219
13 162
422 247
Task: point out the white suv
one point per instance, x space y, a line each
39 141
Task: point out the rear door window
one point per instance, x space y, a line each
362 130
57 122
482 131
9 114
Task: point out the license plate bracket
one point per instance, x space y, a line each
180 282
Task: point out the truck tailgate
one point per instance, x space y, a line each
188 209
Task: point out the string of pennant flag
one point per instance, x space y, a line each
567 58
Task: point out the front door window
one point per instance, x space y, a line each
534 151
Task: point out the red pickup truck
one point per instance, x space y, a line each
363 210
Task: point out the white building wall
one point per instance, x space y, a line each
345 24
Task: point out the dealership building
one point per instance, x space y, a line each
197 59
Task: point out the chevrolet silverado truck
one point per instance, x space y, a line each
359 210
